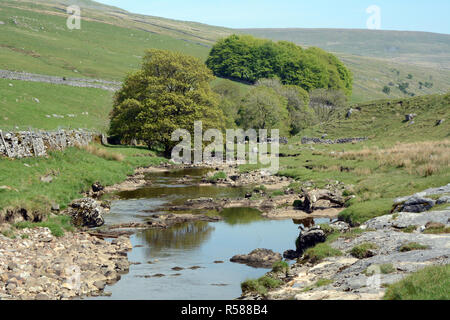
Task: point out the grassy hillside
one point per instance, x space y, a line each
371 75
18 107
383 121
420 48
33 41
94 11
399 158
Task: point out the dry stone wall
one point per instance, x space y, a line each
306 140
24 144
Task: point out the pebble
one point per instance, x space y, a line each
44 267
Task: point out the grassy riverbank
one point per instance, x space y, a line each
398 159
71 171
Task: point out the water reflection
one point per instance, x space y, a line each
181 236
305 222
235 216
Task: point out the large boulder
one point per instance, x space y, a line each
415 204
309 238
86 212
258 258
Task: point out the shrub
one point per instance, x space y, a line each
280 266
412 246
298 204
260 285
362 250
320 251
218 176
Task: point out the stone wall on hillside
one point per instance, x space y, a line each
306 140
24 144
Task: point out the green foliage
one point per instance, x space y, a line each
327 104
301 115
410 246
218 176
361 251
430 283
231 95
261 285
297 204
170 92
280 266
249 59
386 90
263 108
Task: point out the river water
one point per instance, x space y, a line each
199 251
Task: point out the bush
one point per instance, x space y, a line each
412 246
261 285
327 103
280 266
430 283
320 251
362 250
218 176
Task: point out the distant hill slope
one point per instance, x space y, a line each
94 11
384 121
419 48
34 38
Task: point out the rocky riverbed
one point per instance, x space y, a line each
37 265
396 245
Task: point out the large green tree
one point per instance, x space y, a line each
170 92
264 108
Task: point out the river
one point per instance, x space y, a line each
199 251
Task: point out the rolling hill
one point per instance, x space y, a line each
34 38
419 48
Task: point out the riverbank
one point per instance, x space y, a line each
31 187
378 258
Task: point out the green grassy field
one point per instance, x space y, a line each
19 109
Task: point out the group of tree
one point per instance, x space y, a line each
173 90
249 59
270 104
